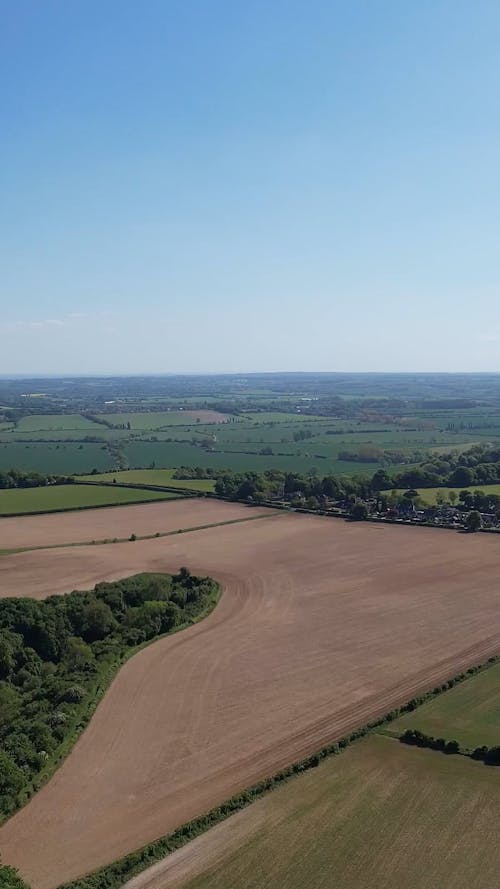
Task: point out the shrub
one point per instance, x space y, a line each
359 512
10 879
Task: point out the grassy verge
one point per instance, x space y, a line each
114 875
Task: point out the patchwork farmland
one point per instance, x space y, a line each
319 629
322 626
378 809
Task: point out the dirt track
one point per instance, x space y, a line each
117 521
322 625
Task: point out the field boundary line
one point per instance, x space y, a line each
118 873
108 541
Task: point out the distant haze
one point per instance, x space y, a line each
231 187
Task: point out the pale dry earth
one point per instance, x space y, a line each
105 523
322 625
207 416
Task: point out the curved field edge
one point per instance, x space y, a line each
97 690
118 873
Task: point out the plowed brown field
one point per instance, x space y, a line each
321 626
118 521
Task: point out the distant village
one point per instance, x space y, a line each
464 515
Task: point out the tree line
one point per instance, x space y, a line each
16 478
414 737
478 465
55 652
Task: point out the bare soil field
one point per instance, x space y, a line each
207 416
119 521
322 625
408 818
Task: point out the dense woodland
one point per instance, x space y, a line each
55 653
10 879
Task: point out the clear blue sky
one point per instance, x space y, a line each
271 185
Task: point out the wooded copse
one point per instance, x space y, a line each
55 653
15 478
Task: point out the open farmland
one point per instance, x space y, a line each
322 625
238 458
55 458
161 419
153 477
468 713
16 501
244 441
103 524
56 423
410 819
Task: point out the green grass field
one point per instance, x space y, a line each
167 454
150 420
98 432
63 458
56 422
428 495
468 713
153 477
379 816
59 497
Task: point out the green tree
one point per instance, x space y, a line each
78 655
11 776
10 879
381 481
7 660
359 512
97 621
9 704
467 498
461 477
473 521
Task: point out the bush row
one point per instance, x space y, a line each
489 755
